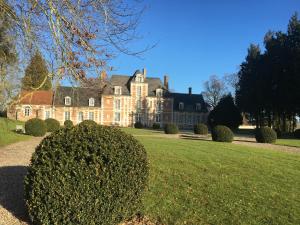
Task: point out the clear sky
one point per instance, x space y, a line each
198 38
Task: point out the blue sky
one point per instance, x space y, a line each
199 38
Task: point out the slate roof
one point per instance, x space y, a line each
79 96
189 100
124 82
36 97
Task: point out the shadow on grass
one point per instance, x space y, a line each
193 137
12 191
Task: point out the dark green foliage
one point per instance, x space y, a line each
156 126
201 128
225 113
88 123
265 135
52 125
171 128
297 133
138 125
222 134
36 74
68 123
36 127
86 175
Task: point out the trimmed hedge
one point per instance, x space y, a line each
265 135
88 123
138 125
297 133
156 126
36 127
68 123
222 133
52 124
86 175
201 128
171 129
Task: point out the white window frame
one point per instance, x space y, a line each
69 115
91 102
118 90
46 112
139 104
181 106
27 110
139 91
159 93
91 117
139 78
159 106
117 117
79 118
117 104
68 100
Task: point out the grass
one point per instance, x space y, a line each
7 134
204 182
289 142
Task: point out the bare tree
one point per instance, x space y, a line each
214 90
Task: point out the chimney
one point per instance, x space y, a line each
190 90
144 72
166 82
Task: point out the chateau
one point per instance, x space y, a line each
122 101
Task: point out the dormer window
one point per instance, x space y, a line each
67 100
159 92
91 102
198 106
118 90
181 105
139 78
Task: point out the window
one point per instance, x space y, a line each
159 92
117 116
67 100
117 104
181 106
139 104
67 115
91 115
80 117
158 106
157 118
118 90
138 117
47 114
91 102
27 111
139 79
139 91
198 106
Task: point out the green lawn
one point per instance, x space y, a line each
289 142
203 182
7 134
142 132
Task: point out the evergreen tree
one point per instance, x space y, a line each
225 113
36 74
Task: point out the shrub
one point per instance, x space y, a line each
35 127
156 126
171 128
201 128
297 133
265 135
222 134
52 125
68 123
138 125
86 175
88 123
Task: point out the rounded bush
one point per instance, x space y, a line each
297 133
68 123
88 123
265 135
221 134
86 175
138 125
36 127
171 128
52 125
156 126
201 128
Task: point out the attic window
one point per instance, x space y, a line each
198 106
91 102
118 90
181 105
67 100
159 92
139 78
